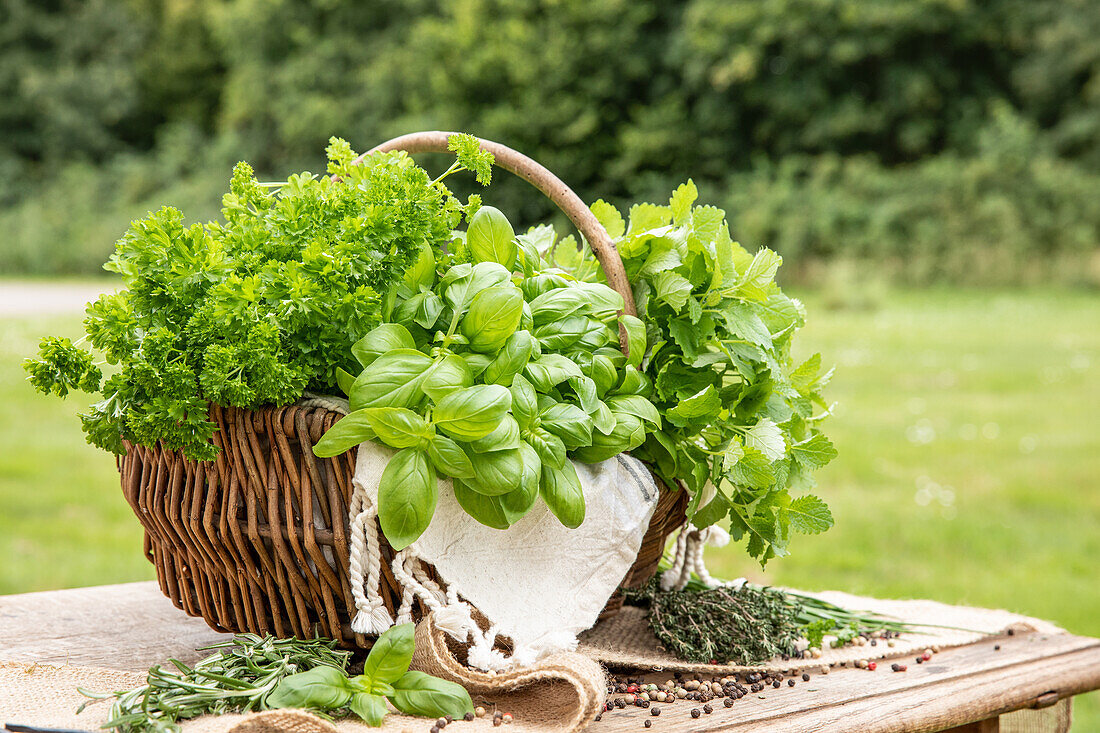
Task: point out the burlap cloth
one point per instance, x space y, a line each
561 693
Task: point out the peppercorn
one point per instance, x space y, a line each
507 718
872 666
776 684
442 722
496 721
434 729
728 702
648 723
695 712
480 711
805 677
708 709
655 712
790 682
996 647
468 717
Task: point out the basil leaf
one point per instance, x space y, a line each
491 238
551 370
542 283
346 433
469 281
449 458
391 380
371 708
569 422
549 447
407 495
417 693
513 356
603 302
585 389
446 375
561 334
635 339
493 316
398 427
496 473
422 272
486 510
383 338
320 688
517 503
423 309
561 490
636 405
478 363
602 371
473 412
634 382
559 304
603 419
391 654
629 433
344 380
504 437
524 402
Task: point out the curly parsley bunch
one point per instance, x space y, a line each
254 309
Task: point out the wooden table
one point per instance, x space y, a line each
132 626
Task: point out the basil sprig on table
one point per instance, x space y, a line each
493 372
386 676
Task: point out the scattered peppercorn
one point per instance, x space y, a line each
480 711
776 684
996 647
648 723
805 677
468 717
695 712
790 682
654 712
507 718
496 721
442 722
708 709
728 702
434 729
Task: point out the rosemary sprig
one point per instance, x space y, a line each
238 678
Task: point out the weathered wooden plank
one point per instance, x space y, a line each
127 627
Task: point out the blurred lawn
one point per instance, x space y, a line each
969 466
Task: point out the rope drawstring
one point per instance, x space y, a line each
688 558
372 617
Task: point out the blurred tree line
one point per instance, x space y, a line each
939 139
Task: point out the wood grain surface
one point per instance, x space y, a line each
132 626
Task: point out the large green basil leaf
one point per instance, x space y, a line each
485 509
558 304
493 316
320 688
446 375
517 503
635 339
346 433
551 370
634 382
496 473
448 457
344 380
561 334
603 419
542 283
603 302
407 495
491 238
478 363
382 338
596 336
585 389
370 707
398 427
504 437
392 380
473 412
513 356
636 405
569 422
422 309
629 433
422 272
602 371
468 281
561 490
549 447
524 402
417 693
391 655
613 353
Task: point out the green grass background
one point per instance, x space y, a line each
969 466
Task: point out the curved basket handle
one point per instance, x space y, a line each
546 182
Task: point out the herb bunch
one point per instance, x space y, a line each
493 372
239 677
741 421
253 309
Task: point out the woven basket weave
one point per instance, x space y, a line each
257 540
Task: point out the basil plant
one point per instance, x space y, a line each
494 370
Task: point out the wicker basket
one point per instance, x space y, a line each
257 540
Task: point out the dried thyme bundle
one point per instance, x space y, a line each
745 626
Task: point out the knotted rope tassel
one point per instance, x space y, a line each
365 566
